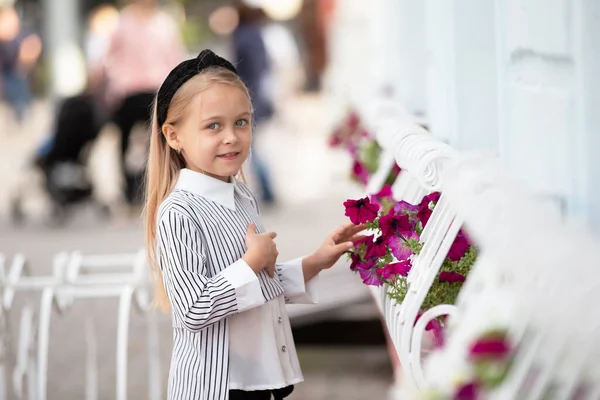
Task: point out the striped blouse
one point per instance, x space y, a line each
230 326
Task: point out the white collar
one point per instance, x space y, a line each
208 187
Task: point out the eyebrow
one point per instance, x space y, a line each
217 117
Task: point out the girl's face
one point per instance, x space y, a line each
215 135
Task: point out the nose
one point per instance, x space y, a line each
230 136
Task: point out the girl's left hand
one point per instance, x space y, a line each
335 244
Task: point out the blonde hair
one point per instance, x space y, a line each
164 164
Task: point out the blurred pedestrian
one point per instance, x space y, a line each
20 49
252 62
145 47
102 25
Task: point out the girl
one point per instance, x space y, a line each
214 264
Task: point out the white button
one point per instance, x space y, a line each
279 319
283 349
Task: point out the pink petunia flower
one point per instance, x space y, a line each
356 260
365 239
399 246
431 197
376 249
385 273
394 225
425 211
434 324
423 215
360 172
459 247
403 207
399 268
353 120
370 276
451 277
469 391
491 347
438 333
384 194
335 139
361 211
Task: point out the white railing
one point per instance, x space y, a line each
75 277
535 276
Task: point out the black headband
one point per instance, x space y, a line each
181 74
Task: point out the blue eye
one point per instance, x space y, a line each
241 122
213 126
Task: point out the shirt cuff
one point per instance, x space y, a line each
245 282
295 290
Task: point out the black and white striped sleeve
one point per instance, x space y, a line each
197 300
295 289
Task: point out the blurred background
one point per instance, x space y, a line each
77 80
514 78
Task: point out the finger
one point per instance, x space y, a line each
348 231
271 271
251 228
272 235
355 229
341 248
356 238
339 231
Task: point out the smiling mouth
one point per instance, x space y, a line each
229 156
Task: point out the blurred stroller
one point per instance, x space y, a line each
62 159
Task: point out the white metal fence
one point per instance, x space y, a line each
535 277
75 277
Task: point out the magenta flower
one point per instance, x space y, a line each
399 268
384 193
353 150
365 239
438 332
424 212
361 211
335 140
360 172
394 225
370 276
365 133
423 215
399 246
459 247
356 260
403 207
377 248
451 277
385 273
431 325
431 197
353 120
469 391
490 347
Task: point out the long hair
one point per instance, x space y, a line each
164 165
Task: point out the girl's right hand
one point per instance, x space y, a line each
261 250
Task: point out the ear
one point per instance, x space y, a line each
171 137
